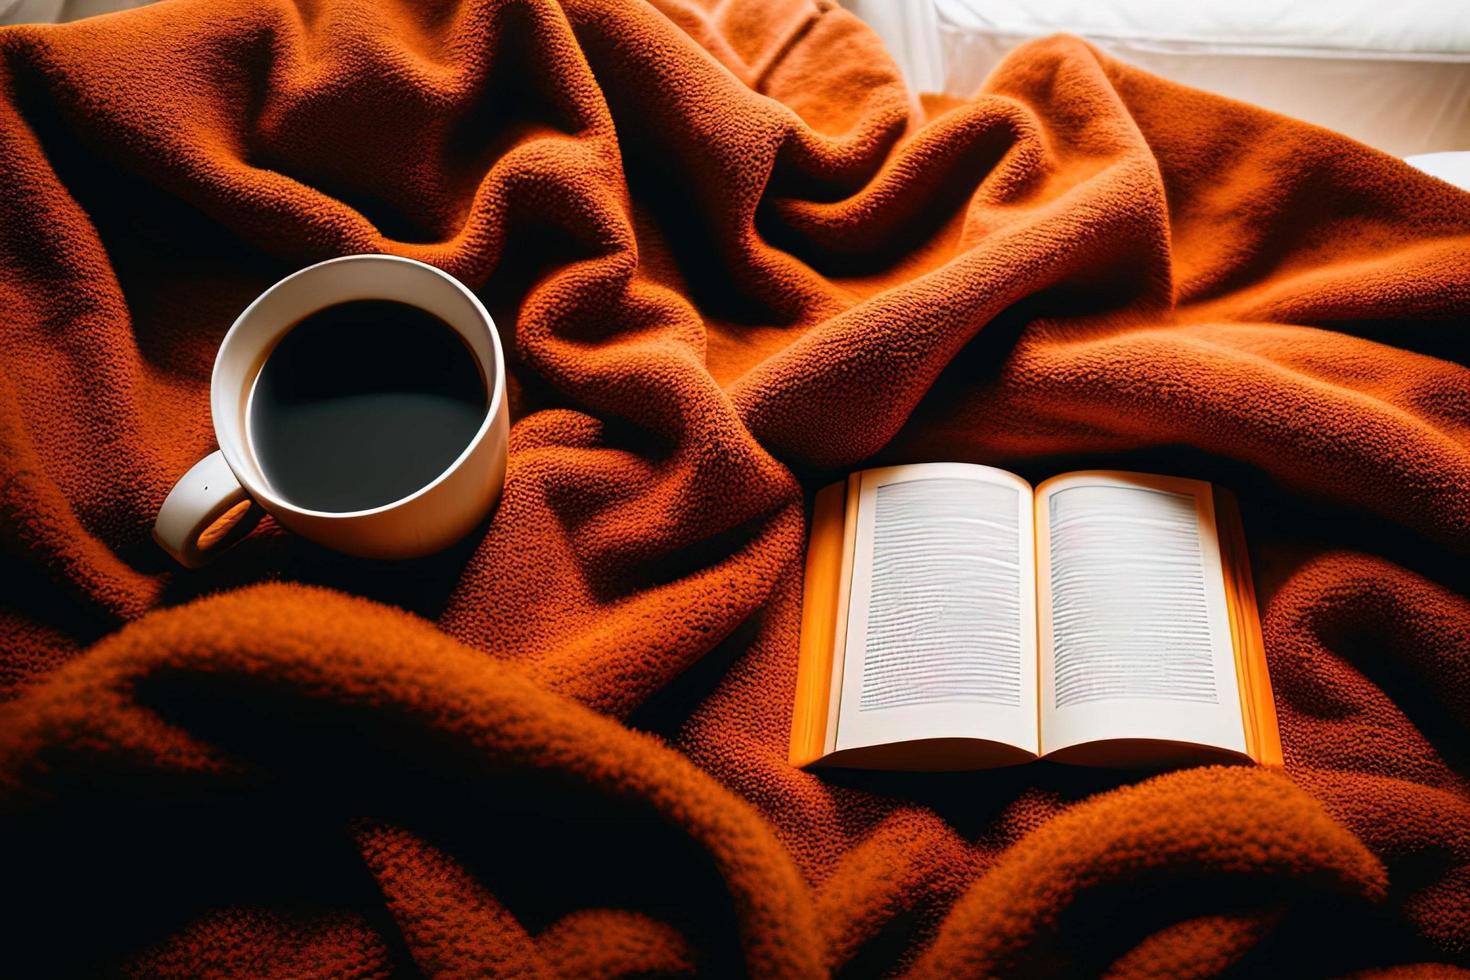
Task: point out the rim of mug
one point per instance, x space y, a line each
262 493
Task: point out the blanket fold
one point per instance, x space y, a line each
729 258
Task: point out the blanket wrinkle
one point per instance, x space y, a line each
435 904
729 259
1229 822
615 943
1206 946
133 702
260 943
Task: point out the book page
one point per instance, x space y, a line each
1134 629
941 633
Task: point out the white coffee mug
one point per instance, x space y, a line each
214 503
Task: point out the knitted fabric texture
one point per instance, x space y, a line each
731 260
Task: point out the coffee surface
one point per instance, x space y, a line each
362 403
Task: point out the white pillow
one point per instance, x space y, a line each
56 11
1452 168
1392 73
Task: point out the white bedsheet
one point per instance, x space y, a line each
1395 75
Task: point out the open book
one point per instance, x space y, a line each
955 619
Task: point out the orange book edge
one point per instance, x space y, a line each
1257 704
821 593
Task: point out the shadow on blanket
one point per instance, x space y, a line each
730 259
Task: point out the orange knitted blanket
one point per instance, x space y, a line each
731 260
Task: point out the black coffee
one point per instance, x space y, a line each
362 403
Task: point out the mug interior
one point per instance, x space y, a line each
256 332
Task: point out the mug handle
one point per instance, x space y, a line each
205 512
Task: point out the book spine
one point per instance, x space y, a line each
820 595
